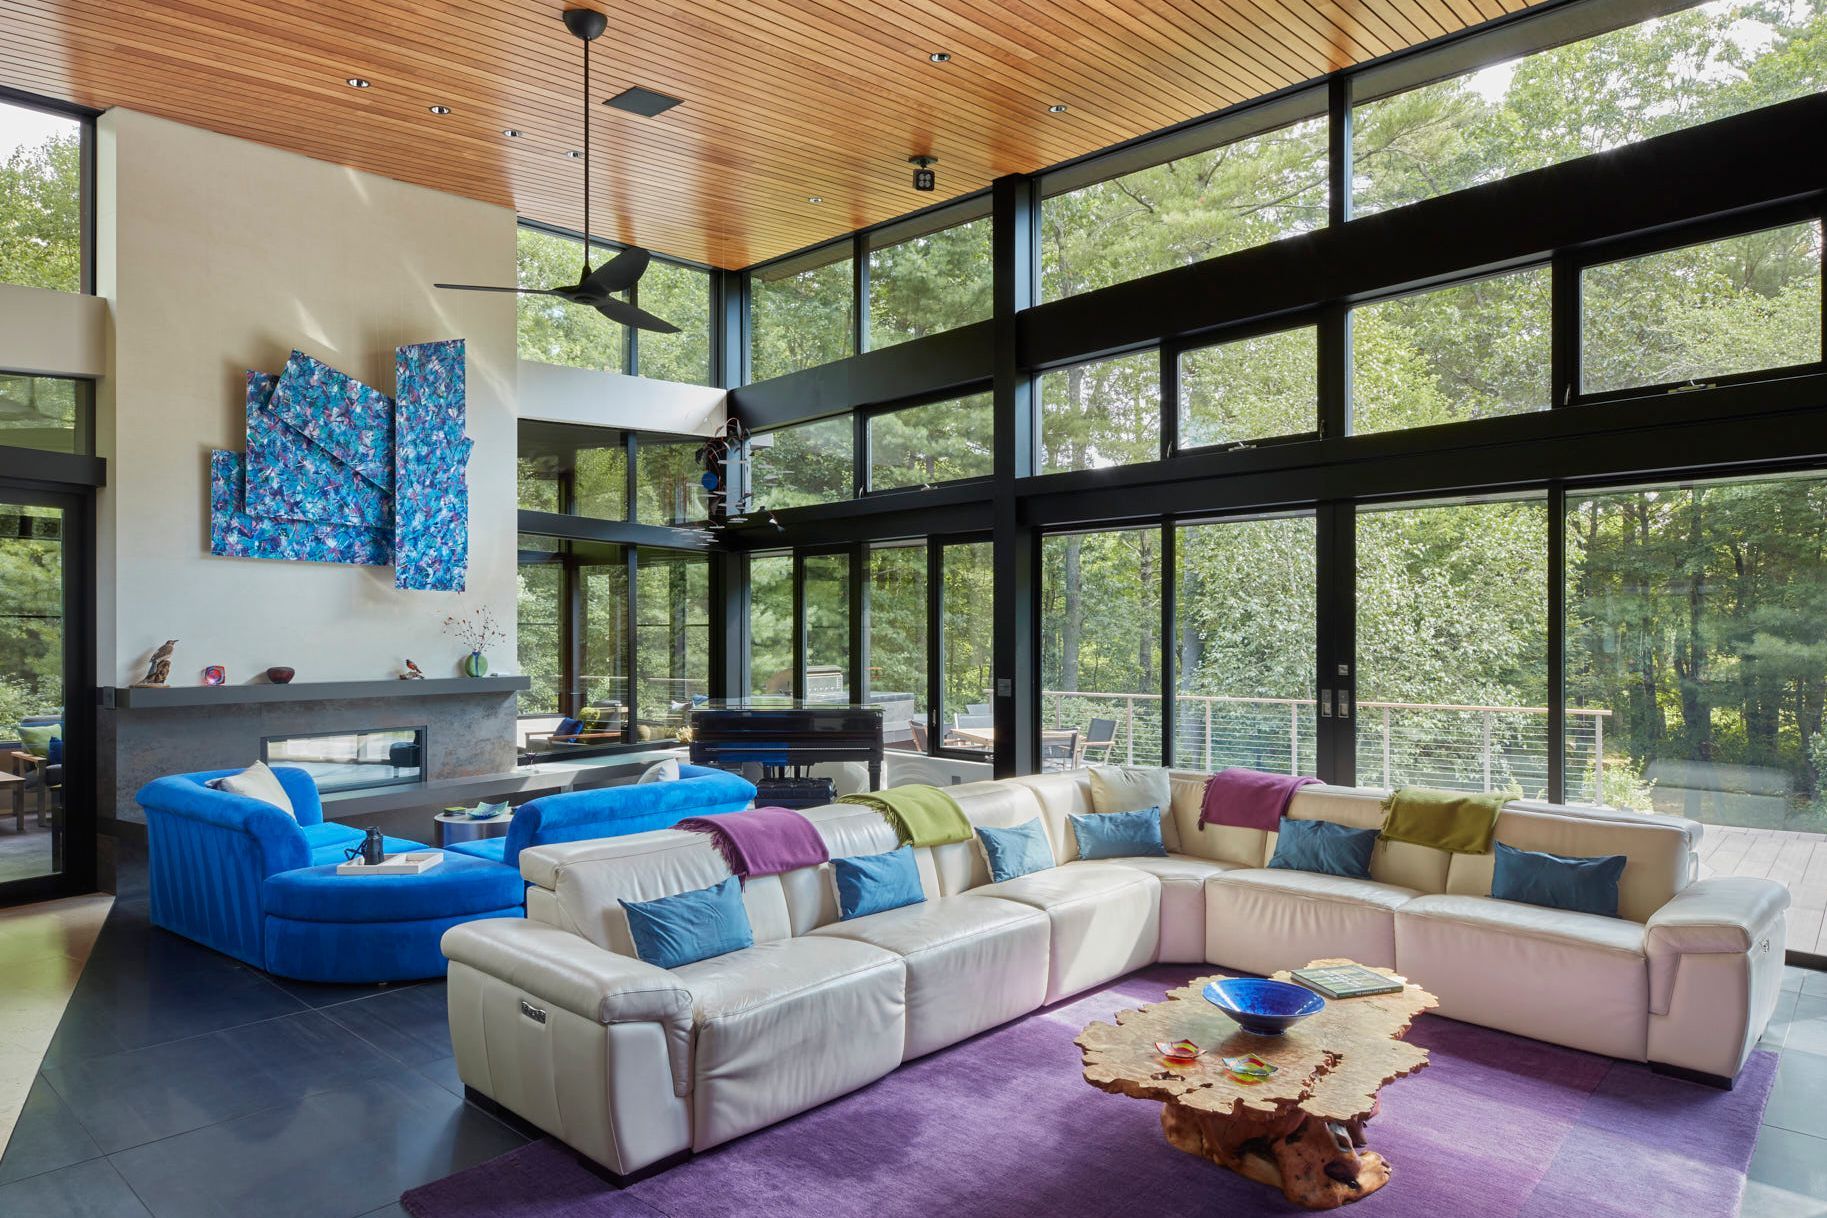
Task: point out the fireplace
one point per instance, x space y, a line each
357 760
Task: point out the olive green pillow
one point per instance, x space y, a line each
36 740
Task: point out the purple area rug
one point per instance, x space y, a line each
1005 1125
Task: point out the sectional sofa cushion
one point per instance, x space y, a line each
1016 851
1263 920
1324 847
690 926
1115 835
787 1024
1105 920
1583 885
1573 978
972 963
1116 788
873 883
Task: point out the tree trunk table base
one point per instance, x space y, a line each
1302 1130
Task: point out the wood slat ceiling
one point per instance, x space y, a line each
784 99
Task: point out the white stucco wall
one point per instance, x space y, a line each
216 255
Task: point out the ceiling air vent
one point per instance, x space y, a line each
644 102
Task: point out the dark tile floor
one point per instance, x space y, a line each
182 1084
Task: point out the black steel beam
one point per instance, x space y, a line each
1779 152
1783 420
922 367
618 532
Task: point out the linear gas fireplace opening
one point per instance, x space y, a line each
353 761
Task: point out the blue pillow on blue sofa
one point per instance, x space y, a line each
1324 846
1119 835
1014 852
872 883
1581 885
690 926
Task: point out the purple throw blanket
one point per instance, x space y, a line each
762 841
1249 799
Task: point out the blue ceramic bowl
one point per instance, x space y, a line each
1267 1008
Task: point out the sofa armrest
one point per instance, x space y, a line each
1723 915
569 971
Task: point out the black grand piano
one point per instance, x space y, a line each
783 736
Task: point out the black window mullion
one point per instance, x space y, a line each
1563 330
632 564
1338 148
1557 643
572 626
859 288
1169 649
935 645
799 625
1336 642
1170 398
859 626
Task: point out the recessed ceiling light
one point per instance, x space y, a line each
1057 108
815 198
439 109
511 133
940 57
356 82
574 154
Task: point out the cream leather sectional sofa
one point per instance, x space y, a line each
555 1018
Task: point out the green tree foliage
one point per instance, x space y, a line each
771 625
1250 389
680 295
804 464
799 318
41 215
553 331
930 283
937 442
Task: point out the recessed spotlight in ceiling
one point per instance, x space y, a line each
815 198
940 57
356 82
1057 108
511 133
439 109
574 154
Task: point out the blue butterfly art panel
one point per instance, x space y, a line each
290 477
234 533
431 459
352 421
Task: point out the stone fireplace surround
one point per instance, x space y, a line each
142 734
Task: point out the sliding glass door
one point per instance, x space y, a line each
45 812
1452 646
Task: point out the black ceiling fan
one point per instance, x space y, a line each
595 288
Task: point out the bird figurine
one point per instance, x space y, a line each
412 672
158 669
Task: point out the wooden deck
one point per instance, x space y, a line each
1797 859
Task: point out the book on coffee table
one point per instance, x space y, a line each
1346 981
393 864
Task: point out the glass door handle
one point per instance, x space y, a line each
1344 704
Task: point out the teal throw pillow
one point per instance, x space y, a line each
872 883
1325 847
1022 850
690 926
1119 835
1582 885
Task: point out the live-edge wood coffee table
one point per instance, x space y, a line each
1302 1129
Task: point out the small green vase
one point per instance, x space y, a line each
475 664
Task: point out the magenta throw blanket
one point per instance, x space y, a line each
1249 799
762 841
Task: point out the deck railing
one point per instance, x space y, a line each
1439 744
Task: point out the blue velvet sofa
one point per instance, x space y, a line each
240 876
577 816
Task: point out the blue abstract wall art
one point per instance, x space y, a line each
234 533
337 471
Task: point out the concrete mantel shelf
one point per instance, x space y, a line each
175 696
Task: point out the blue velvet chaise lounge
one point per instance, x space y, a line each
241 876
579 816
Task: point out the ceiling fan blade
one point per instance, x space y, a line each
631 315
476 287
616 274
